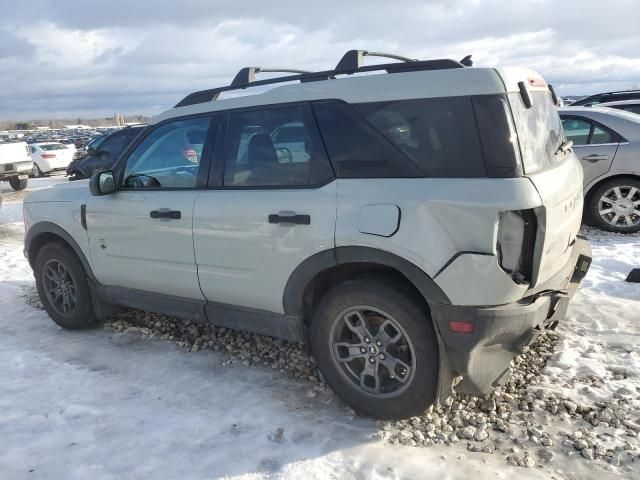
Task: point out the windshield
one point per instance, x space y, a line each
539 129
95 143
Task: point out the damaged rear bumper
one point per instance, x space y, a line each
495 335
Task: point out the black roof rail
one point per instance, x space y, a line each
350 63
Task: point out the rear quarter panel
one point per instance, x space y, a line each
438 219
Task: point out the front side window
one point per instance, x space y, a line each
274 147
169 157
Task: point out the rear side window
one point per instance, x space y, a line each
275 147
439 135
356 148
53 146
586 132
601 135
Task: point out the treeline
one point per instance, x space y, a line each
61 122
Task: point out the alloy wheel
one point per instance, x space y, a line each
620 206
373 351
59 287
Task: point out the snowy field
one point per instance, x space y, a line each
116 403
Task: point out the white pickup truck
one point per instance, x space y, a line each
15 164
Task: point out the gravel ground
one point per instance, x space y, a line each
526 424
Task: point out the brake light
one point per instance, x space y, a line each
537 82
516 241
462 327
48 155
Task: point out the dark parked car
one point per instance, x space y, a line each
102 155
607 97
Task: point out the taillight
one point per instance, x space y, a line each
462 327
48 155
516 242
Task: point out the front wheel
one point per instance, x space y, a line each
63 287
376 347
615 205
18 184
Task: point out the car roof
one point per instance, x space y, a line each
353 82
634 101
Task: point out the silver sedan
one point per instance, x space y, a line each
607 141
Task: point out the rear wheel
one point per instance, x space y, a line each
17 184
615 205
376 347
63 287
36 171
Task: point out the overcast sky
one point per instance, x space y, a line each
68 58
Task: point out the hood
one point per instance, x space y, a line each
60 192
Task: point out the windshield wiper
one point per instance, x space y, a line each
565 146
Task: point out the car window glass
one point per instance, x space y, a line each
576 130
169 157
274 147
356 148
600 135
53 146
114 144
438 134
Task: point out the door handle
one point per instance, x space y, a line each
290 218
166 213
595 157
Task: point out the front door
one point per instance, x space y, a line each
141 236
273 207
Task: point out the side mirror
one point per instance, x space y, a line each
102 183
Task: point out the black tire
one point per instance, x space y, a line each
412 315
18 184
36 172
625 185
82 315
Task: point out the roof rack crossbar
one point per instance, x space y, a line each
353 59
350 63
247 75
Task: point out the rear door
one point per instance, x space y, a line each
271 205
594 144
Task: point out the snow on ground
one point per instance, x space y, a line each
104 405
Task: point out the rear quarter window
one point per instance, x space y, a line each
439 135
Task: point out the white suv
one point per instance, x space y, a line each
417 226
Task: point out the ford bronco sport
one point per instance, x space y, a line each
416 225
